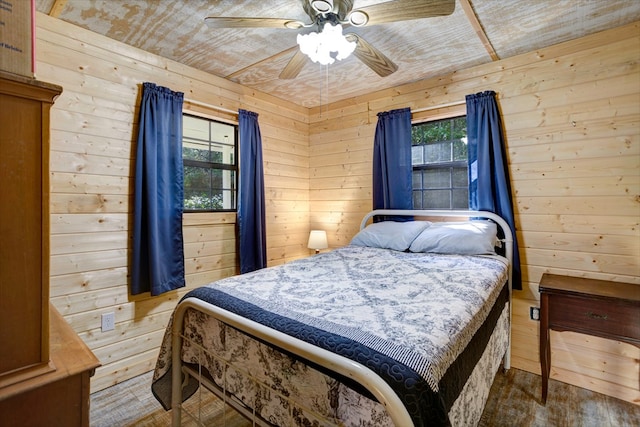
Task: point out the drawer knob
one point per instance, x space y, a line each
597 316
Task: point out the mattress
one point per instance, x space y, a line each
421 321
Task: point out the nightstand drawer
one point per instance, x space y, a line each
608 318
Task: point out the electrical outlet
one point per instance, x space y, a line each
534 313
108 322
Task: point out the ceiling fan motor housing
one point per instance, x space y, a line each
341 8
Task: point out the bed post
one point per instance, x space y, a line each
176 366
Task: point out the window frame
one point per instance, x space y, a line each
215 165
451 165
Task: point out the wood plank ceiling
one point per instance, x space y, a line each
478 32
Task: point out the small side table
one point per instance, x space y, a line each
595 307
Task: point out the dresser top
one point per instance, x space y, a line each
554 283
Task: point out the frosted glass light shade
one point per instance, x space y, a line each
320 46
317 240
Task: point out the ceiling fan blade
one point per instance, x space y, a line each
294 66
404 10
230 22
371 56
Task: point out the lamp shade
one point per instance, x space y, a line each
317 240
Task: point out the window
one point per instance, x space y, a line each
209 153
439 160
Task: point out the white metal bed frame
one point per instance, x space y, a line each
336 363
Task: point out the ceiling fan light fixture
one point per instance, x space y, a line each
322 6
320 46
358 18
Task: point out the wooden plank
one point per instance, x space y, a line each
209 248
70 284
626 166
477 27
131 347
207 263
579 205
114 373
95 184
605 387
208 233
352 169
585 186
592 243
285 182
626 144
588 262
87 163
191 219
204 277
575 223
89 203
88 223
90 300
98 260
88 242
284 158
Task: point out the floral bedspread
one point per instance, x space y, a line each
414 312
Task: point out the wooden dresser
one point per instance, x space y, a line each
594 307
44 366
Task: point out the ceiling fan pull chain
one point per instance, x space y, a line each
320 66
326 80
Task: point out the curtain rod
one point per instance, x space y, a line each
435 107
214 107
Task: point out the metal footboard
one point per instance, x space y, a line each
336 363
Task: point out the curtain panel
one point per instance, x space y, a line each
158 254
392 161
252 236
489 185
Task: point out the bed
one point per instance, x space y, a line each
407 325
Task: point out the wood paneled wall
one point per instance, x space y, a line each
572 121
93 131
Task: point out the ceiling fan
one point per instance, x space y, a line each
327 14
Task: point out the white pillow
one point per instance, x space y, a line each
464 238
390 234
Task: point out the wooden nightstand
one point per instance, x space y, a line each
594 307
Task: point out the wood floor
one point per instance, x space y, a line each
514 401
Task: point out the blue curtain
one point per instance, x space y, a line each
392 161
251 212
489 186
158 254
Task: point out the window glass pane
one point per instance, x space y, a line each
417 200
460 177
460 149
460 198
196 178
417 155
438 152
437 199
197 185
459 127
228 199
195 128
416 179
195 150
436 178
